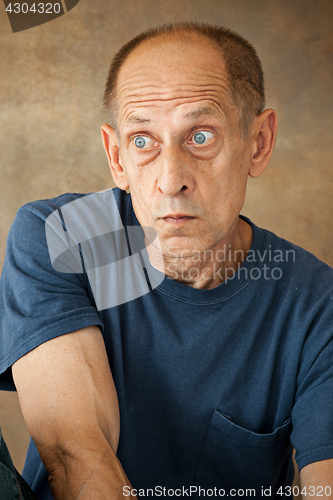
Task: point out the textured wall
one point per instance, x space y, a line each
51 86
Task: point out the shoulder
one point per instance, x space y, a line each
300 269
43 208
29 222
47 229
32 216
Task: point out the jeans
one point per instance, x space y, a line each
12 484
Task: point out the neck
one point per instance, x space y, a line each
211 267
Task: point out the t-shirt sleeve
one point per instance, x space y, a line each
37 303
312 414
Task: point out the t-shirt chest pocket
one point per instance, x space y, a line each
234 457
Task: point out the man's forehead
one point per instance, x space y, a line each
171 60
168 72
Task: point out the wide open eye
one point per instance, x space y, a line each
202 137
143 142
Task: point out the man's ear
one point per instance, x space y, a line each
264 129
111 147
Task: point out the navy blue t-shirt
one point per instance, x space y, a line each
214 386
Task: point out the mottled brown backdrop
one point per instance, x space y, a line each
51 85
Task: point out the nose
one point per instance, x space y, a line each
174 174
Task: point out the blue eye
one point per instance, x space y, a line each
202 137
143 142
140 142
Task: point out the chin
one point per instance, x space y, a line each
182 247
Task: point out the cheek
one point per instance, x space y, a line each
226 183
236 168
138 175
140 189
223 177
141 207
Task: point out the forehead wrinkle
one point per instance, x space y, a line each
149 92
137 87
157 100
163 74
143 81
134 116
153 98
168 95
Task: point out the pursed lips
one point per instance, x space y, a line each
177 219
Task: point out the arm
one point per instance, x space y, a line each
316 476
69 402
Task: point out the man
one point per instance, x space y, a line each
221 364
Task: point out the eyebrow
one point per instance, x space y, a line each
203 110
136 119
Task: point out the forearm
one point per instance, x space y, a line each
69 402
317 480
93 472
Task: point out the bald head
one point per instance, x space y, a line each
234 54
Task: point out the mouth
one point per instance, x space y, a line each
178 219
